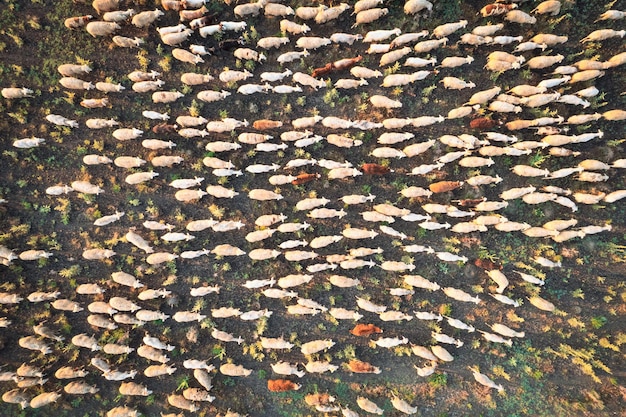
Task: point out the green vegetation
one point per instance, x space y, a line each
598 322
71 272
182 383
537 159
438 380
331 96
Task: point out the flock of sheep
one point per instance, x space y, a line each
302 152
